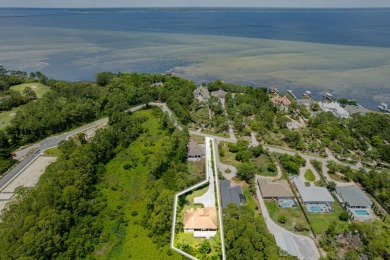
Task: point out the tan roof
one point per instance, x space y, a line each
219 93
281 100
204 218
195 150
274 189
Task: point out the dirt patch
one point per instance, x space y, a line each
236 182
33 87
30 176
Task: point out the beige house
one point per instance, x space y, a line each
274 189
202 221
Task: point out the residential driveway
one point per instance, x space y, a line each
304 246
208 199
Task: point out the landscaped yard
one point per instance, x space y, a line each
294 216
250 201
261 162
38 88
309 175
321 221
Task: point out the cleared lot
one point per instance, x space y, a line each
30 176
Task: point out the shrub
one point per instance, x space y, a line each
344 216
282 219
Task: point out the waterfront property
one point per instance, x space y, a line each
231 194
283 102
202 94
202 222
305 102
335 108
316 199
353 197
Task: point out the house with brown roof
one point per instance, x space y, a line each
281 101
274 189
195 151
202 221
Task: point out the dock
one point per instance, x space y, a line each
327 95
292 94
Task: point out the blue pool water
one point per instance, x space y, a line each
315 209
286 203
361 212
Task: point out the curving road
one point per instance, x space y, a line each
50 142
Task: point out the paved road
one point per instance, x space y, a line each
49 142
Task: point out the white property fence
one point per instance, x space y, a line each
208 172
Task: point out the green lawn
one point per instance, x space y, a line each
262 162
198 139
6 117
126 189
38 88
294 216
53 151
320 221
197 169
309 175
250 201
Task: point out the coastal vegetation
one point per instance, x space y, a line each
111 196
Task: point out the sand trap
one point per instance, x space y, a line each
33 87
30 176
12 114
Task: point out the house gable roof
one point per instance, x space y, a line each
354 196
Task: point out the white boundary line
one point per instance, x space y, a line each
219 201
207 143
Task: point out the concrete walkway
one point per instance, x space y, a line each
304 246
208 199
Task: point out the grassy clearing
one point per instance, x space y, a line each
53 151
261 162
198 139
6 117
124 236
250 201
226 135
309 175
197 169
294 216
38 88
320 222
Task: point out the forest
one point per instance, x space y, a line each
117 188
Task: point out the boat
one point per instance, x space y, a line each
292 94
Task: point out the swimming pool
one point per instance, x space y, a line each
286 203
362 212
315 209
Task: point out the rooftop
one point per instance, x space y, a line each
231 194
281 100
195 149
354 196
312 194
204 218
274 189
219 93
